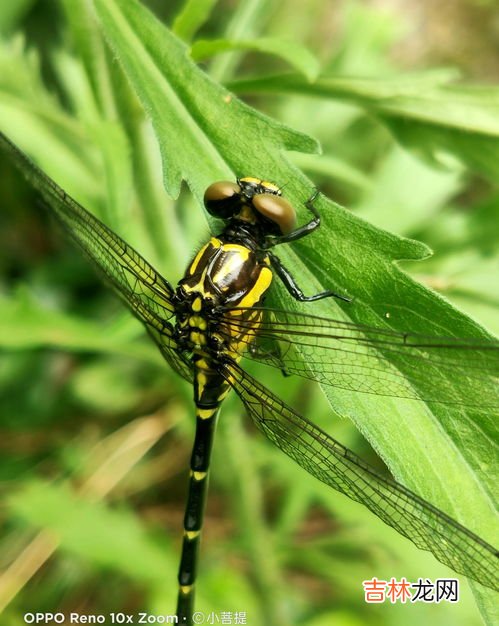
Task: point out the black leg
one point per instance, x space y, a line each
292 287
302 231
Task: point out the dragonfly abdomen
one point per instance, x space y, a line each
210 388
223 275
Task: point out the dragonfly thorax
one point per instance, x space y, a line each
222 277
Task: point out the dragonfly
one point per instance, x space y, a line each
216 315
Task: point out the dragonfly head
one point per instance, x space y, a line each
251 200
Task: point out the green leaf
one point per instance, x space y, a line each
28 325
386 202
205 133
293 53
195 119
11 13
441 122
106 538
192 17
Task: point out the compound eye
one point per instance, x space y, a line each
276 209
222 199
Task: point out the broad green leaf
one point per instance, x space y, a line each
444 123
197 122
293 53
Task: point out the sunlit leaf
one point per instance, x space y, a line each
296 55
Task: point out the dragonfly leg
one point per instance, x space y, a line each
290 284
301 231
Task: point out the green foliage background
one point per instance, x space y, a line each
96 430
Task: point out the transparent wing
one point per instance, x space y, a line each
177 360
145 292
333 464
373 360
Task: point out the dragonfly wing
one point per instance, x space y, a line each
170 351
376 360
337 466
142 288
144 291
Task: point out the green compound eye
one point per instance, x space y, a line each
222 199
276 209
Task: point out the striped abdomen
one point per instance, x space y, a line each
222 274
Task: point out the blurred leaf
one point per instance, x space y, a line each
442 123
106 538
11 13
93 99
92 55
293 53
193 15
92 383
38 123
466 264
27 325
332 167
366 39
359 90
386 202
